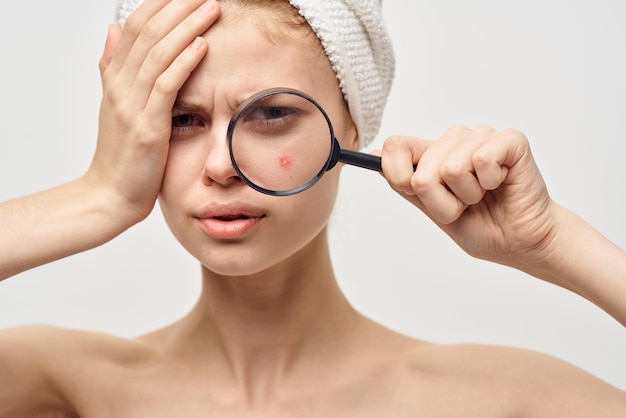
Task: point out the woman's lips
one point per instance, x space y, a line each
227 222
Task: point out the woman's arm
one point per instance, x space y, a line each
143 67
584 261
57 223
483 188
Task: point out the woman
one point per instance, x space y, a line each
257 343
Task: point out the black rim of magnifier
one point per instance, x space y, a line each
359 159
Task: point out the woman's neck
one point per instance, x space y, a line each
268 325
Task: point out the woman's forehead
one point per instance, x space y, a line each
242 60
242 41
282 26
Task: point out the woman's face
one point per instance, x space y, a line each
229 227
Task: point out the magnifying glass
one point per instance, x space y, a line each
282 142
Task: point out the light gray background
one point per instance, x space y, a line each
552 68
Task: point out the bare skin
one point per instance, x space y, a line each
272 334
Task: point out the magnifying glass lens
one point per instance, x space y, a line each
280 142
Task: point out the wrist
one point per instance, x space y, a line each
578 258
111 204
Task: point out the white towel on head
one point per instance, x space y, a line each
358 46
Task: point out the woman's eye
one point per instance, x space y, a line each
183 121
270 119
185 124
270 113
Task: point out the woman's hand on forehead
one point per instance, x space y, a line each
144 65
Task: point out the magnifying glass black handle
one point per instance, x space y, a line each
361 159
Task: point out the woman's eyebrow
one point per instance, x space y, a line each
187 106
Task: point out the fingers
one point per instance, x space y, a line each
148 61
135 23
165 90
153 37
154 59
398 156
151 22
457 169
495 158
113 37
454 172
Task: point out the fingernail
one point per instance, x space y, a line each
197 43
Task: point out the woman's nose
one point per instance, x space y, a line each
218 167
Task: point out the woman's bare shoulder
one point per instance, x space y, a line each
51 341
49 367
486 380
512 380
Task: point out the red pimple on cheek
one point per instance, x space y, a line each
285 162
